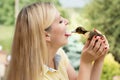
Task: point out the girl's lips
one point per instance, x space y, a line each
68 33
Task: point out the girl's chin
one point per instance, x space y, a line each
65 43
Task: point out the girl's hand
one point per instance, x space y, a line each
89 51
105 49
95 49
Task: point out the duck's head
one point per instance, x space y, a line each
80 30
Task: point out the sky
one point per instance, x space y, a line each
73 3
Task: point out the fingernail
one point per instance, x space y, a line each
105 47
95 36
103 41
101 38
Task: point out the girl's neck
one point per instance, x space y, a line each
52 52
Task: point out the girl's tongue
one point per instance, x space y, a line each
68 34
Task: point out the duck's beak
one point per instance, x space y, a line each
73 31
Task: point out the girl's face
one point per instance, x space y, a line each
58 34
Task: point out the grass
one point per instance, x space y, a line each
6 37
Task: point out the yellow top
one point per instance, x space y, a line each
60 73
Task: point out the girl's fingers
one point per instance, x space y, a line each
106 41
104 47
97 45
95 30
87 43
105 51
100 50
93 42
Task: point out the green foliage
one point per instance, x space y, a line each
7 9
73 50
105 16
110 68
26 2
6 35
6 12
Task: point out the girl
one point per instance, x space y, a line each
36 52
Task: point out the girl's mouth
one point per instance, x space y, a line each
68 34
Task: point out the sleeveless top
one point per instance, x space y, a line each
60 73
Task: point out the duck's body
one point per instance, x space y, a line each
88 34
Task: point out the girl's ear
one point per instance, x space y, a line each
47 36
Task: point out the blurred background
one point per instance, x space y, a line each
103 15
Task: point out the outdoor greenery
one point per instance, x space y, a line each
73 50
6 35
111 68
103 15
7 12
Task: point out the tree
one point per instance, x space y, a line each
16 8
105 16
6 12
10 8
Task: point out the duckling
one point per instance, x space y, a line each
88 34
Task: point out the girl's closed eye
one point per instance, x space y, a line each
61 21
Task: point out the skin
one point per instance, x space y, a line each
56 36
92 52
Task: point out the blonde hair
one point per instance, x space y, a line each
29 49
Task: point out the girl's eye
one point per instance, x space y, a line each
60 21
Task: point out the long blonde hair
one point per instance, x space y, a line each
29 49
